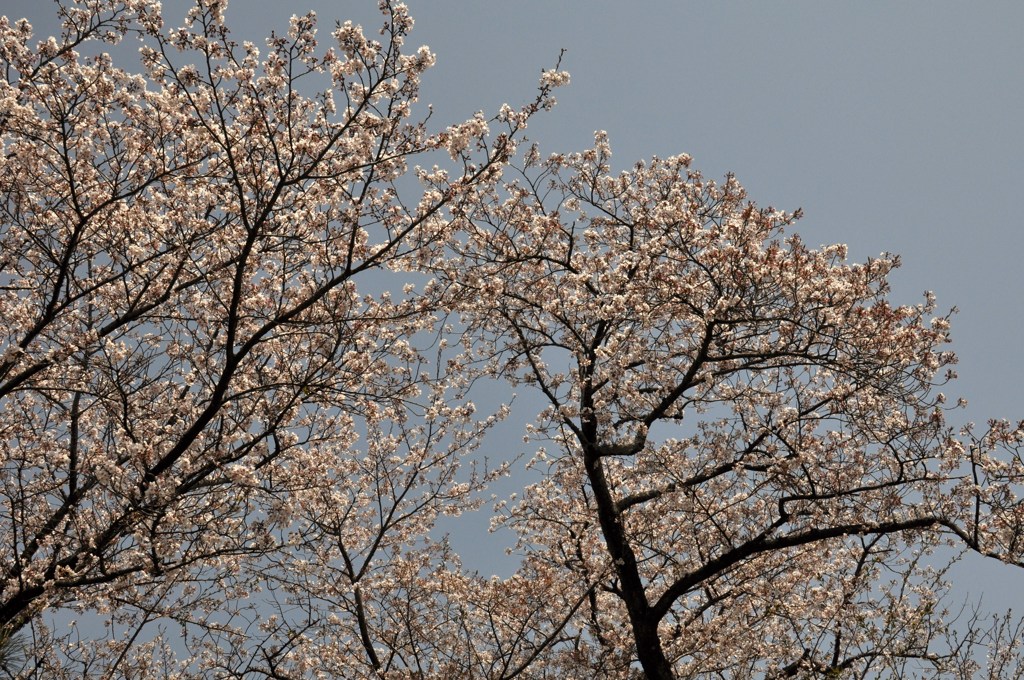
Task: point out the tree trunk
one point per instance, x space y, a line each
642 619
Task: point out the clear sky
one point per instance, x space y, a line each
895 126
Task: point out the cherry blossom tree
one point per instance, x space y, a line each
224 442
247 292
745 455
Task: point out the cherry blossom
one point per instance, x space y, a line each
745 452
250 291
225 445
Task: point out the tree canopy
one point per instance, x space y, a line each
249 293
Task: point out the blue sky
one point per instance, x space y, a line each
895 126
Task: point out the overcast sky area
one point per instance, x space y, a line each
895 126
